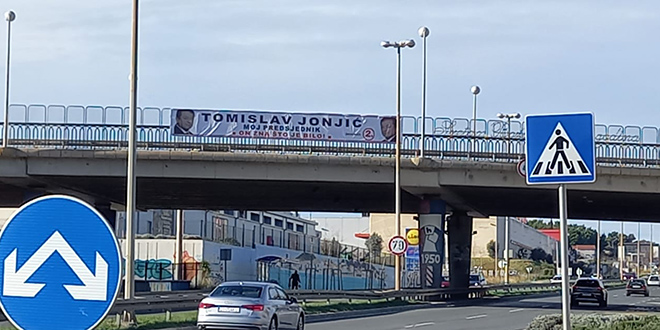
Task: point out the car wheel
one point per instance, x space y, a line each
603 303
301 323
646 294
628 294
273 324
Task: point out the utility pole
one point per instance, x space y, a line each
598 251
622 252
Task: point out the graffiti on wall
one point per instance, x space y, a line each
163 269
153 269
323 273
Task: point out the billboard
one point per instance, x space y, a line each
281 125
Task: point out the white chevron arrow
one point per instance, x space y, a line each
95 286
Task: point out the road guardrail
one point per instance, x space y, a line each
159 302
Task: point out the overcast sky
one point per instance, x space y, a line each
324 56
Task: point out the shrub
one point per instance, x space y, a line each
595 321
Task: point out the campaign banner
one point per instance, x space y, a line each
280 125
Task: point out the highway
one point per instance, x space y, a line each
505 314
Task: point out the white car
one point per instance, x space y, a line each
556 279
653 280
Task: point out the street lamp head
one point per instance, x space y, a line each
475 90
406 43
501 115
386 44
424 32
10 16
516 115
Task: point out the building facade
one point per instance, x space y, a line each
238 228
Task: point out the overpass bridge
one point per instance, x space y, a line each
79 150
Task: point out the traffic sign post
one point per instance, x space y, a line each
398 245
61 260
561 149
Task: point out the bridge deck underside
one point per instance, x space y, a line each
530 202
158 193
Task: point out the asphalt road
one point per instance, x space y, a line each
505 314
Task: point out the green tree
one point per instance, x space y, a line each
581 234
491 248
539 254
374 244
539 224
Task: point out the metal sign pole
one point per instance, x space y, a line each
129 286
598 251
565 285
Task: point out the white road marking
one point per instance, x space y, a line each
424 324
419 325
476 317
616 295
516 310
545 306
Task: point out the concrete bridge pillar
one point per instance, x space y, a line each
459 231
431 242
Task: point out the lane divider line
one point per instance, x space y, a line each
476 317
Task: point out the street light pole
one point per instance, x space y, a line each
397 176
598 251
651 249
129 285
621 252
424 32
506 250
475 91
10 16
639 252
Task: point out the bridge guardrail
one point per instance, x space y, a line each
189 300
640 152
652 161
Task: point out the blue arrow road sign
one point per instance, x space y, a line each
61 265
560 148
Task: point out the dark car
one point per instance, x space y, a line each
637 286
629 276
445 282
589 290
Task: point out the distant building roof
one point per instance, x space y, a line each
584 247
552 233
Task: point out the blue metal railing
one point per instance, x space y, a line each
104 127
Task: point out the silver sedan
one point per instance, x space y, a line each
250 306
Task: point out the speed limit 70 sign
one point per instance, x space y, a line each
398 245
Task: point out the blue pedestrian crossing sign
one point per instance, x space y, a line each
61 265
560 148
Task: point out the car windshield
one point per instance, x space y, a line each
474 278
653 278
640 282
237 291
588 283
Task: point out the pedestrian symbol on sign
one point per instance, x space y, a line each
560 157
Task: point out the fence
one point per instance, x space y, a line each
348 252
244 236
99 127
489 128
